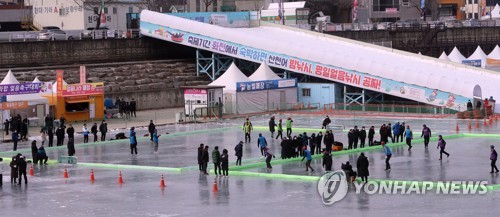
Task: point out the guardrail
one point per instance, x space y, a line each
390 108
24 36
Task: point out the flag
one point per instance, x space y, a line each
354 10
103 15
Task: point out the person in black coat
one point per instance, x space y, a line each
272 124
50 133
362 137
71 132
60 136
205 159
371 134
327 161
71 146
326 122
383 133
151 129
21 166
133 108
389 133
239 153
362 165
6 126
328 140
350 138
200 160
104 129
34 151
93 130
355 131
319 139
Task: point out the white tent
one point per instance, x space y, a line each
479 55
54 86
33 98
456 56
419 53
10 78
229 79
495 53
263 73
444 57
36 80
495 13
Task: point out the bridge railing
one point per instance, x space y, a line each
390 108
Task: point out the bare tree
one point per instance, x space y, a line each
430 5
207 4
90 5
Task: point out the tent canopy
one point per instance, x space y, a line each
10 78
494 14
229 78
444 57
495 53
263 73
479 55
456 56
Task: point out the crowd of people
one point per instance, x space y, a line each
125 108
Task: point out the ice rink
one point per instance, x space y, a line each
246 192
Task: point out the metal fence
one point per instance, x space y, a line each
390 108
23 36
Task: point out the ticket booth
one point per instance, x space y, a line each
202 100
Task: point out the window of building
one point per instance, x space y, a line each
115 11
381 5
470 2
105 10
406 3
77 107
306 91
130 9
96 10
198 5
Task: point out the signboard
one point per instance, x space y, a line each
59 80
307 67
476 63
92 107
225 19
199 96
14 105
83 75
265 85
83 89
492 62
15 89
46 88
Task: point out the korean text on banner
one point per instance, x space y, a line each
14 105
84 89
83 74
15 89
59 80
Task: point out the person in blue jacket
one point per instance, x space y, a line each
396 131
156 137
307 154
261 143
388 155
133 141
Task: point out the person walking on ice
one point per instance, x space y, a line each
442 145
409 136
261 143
247 128
493 158
280 130
224 158
388 155
426 133
289 122
272 125
269 156
307 154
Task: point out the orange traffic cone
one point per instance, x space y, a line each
66 173
162 182
457 129
120 178
92 178
214 187
32 172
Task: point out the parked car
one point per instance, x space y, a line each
53 34
51 27
383 25
453 24
100 33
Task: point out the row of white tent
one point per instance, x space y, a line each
233 75
456 56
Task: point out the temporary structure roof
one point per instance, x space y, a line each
495 53
263 73
495 13
479 55
444 57
10 78
456 56
229 78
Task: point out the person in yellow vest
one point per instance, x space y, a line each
289 122
247 128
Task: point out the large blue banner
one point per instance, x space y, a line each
225 19
265 85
